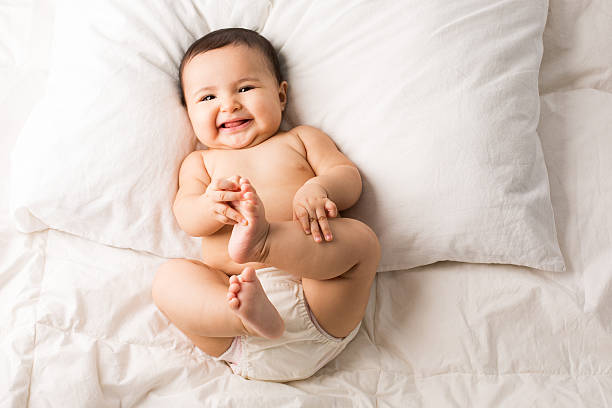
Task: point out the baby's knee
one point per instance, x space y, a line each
162 277
373 243
368 241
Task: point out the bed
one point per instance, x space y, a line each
446 326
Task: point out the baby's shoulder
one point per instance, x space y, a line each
307 133
290 139
313 140
193 166
306 130
303 133
194 159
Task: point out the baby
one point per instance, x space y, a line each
285 280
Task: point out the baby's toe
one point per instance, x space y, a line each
234 303
248 275
234 288
246 186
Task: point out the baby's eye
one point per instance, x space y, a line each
245 88
207 98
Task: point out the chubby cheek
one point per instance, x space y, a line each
203 125
206 134
275 121
270 121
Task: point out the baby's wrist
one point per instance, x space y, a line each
315 182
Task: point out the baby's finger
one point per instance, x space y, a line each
324 224
331 209
227 215
314 228
224 195
227 196
302 216
224 220
223 184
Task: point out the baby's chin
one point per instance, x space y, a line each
237 142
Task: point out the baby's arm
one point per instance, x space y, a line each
337 179
334 171
201 205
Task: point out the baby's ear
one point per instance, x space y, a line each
282 94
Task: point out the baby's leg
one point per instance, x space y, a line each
339 303
202 303
336 275
285 246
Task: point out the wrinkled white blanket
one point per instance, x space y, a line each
78 326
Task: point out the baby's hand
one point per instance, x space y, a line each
223 194
312 207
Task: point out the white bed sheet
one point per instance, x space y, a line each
78 326
25 43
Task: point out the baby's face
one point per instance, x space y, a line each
232 97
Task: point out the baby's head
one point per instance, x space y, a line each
232 87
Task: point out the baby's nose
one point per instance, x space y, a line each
230 105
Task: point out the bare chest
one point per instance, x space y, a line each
275 168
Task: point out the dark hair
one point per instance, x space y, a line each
230 36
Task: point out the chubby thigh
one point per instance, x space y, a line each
339 303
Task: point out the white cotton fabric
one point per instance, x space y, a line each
436 103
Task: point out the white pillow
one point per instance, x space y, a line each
435 102
99 155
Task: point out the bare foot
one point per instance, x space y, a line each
246 297
248 242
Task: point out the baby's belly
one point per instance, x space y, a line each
214 253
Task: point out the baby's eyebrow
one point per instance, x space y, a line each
206 88
248 79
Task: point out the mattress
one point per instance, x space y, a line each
78 326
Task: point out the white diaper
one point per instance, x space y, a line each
300 352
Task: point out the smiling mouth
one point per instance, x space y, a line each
235 124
